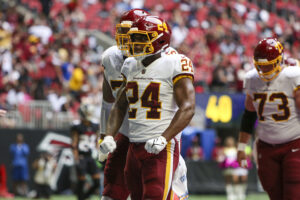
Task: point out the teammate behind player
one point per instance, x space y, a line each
161 101
291 62
84 135
273 96
112 61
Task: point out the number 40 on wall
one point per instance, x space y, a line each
219 109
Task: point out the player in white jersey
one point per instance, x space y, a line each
112 60
160 97
273 95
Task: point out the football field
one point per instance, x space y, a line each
257 196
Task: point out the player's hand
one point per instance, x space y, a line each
156 145
101 156
242 159
108 145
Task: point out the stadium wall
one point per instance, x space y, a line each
204 177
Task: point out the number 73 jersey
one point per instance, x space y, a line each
150 94
278 118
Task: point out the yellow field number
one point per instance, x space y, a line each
219 110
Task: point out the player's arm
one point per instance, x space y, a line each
115 120
75 141
184 94
107 102
246 129
117 112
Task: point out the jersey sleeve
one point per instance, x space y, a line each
183 67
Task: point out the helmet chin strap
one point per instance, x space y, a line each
141 58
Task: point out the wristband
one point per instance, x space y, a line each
241 146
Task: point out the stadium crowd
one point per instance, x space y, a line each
45 56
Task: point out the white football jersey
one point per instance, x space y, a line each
278 118
112 60
150 94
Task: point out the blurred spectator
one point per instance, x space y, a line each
57 99
44 169
235 177
240 177
218 151
41 30
195 151
19 152
228 164
76 81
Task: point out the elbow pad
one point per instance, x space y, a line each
105 110
248 121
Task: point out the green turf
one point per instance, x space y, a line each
192 197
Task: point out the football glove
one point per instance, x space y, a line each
156 145
108 145
101 156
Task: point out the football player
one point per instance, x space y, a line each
273 96
84 136
112 61
159 95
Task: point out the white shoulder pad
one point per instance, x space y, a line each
291 72
252 74
129 66
112 59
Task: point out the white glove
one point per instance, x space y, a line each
108 145
156 145
102 156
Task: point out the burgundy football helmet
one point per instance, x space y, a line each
268 58
123 27
149 35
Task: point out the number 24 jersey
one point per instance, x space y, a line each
150 94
